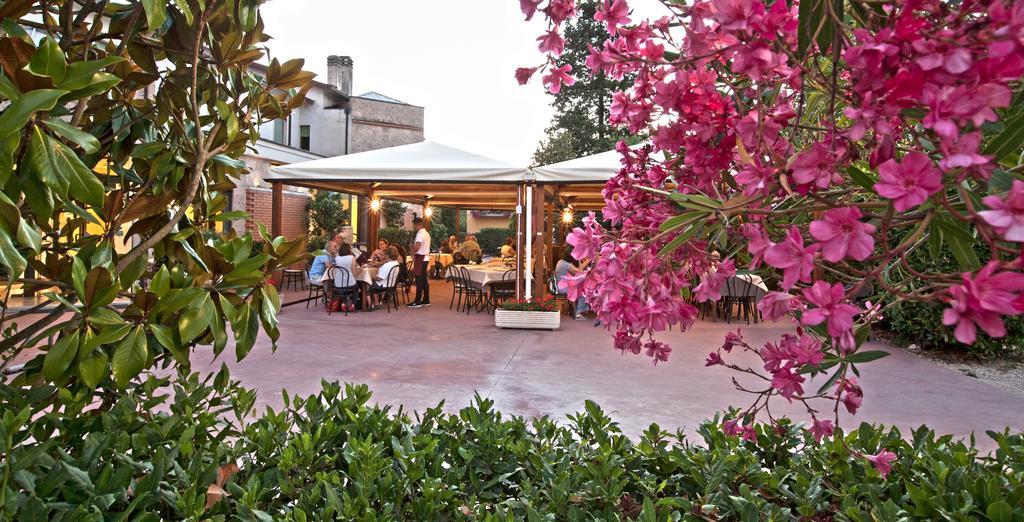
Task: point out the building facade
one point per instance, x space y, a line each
330 122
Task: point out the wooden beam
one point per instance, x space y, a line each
276 208
539 253
456 233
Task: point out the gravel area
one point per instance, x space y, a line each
1006 372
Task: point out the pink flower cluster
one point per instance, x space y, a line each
814 197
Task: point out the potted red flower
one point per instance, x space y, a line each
534 314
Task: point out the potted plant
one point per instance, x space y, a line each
535 314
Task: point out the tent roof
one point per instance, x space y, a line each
423 162
596 168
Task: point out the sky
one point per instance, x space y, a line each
456 58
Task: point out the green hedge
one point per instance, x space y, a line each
491 239
337 456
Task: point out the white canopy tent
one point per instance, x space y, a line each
596 168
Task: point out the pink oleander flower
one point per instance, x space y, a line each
981 301
830 306
572 284
732 428
558 76
850 394
625 342
757 242
790 256
734 15
1006 212
613 13
732 339
523 74
909 182
658 351
529 8
821 428
817 166
842 235
788 382
551 42
559 10
713 359
963 153
882 461
776 305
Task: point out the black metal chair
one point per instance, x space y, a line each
388 291
474 294
740 294
345 287
503 290
560 297
458 286
316 291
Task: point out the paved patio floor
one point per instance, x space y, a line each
419 357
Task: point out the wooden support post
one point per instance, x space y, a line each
276 208
456 233
373 227
549 230
539 252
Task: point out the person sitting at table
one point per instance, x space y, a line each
346 259
322 262
379 281
567 266
469 251
508 249
450 246
380 256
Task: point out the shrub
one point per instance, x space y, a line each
491 239
546 304
438 233
396 235
337 455
316 243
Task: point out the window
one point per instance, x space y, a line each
304 137
280 127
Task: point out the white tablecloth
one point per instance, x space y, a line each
760 287
444 259
485 275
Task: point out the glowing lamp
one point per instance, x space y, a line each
375 205
429 212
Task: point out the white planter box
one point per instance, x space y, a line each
528 320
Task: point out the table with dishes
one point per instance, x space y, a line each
364 276
487 274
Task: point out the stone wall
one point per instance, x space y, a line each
379 124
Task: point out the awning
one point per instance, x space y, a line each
596 168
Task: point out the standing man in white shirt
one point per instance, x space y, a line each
420 256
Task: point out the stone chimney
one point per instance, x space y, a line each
339 73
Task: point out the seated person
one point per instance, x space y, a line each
344 259
566 266
508 249
387 275
380 256
450 246
469 251
322 262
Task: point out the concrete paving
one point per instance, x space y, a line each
420 357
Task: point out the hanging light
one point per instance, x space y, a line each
567 216
429 212
375 205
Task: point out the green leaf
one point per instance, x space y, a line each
247 11
228 161
865 356
60 356
960 242
10 256
161 282
105 317
860 177
83 139
16 115
809 18
230 215
100 82
245 326
78 275
110 334
194 320
165 336
62 171
48 61
7 88
1009 141
93 368
130 357
83 74
999 511
182 6
156 13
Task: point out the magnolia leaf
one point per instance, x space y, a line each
161 282
195 320
93 368
182 6
130 357
156 13
10 257
16 115
60 356
48 61
83 74
245 326
107 335
78 275
83 139
62 171
105 317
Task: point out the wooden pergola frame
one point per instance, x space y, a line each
548 200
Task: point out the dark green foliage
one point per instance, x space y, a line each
580 125
491 239
921 322
400 236
327 213
393 212
336 456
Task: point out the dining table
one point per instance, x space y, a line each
487 274
364 276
